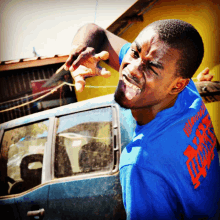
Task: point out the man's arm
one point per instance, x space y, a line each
93 36
83 59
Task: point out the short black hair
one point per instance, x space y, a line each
184 37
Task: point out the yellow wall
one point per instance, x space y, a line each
90 92
204 15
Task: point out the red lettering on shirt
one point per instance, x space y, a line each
202 154
190 123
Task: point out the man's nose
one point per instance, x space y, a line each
134 68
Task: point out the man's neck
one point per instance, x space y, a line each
145 115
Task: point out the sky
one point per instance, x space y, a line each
49 25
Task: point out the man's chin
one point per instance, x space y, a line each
120 99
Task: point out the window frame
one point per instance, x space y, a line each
49 153
47 150
115 139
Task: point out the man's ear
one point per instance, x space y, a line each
179 85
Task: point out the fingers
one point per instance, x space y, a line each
208 77
79 74
82 71
104 55
76 50
82 58
205 75
69 61
83 62
105 73
79 83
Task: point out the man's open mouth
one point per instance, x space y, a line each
131 90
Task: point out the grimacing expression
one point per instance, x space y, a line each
147 72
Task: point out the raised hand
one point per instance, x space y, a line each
83 63
204 75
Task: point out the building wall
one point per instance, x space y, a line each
16 89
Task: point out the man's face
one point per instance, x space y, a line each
146 73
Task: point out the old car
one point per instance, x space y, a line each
63 163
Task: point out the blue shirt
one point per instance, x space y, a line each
170 170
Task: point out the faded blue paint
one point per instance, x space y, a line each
33 200
96 198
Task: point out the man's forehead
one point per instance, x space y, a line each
148 41
151 46
148 35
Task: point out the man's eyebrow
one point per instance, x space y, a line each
156 64
138 46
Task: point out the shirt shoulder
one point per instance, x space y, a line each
123 51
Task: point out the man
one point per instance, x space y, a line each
170 170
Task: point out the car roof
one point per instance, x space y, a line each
101 101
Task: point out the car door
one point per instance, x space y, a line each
8 208
24 149
85 181
7 204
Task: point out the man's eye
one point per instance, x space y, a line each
150 70
150 66
134 53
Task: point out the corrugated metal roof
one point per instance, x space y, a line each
31 62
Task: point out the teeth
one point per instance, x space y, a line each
129 84
129 96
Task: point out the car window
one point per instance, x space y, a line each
84 143
21 157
